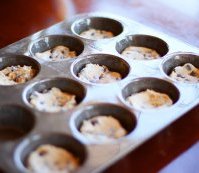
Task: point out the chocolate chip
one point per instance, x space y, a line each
179 75
188 67
94 122
43 152
193 73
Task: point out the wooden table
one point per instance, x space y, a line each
175 17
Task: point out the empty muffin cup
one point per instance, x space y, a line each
113 63
66 85
126 118
10 60
63 141
98 23
15 122
149 83
51 41
178 59
146 41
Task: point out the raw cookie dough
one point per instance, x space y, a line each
56 54
51 159
98 74
187 72
149 99
96 34
16 74
140 53
53 100
102 128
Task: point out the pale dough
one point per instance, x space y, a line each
102 128
140 53
98 74
96 34
51 159
16 74
149 99
187 72
56 54
53 100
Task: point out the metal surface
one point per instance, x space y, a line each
57 125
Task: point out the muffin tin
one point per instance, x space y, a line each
34 127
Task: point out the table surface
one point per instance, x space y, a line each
174 149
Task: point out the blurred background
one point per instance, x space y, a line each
20 18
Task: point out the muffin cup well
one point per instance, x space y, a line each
14 60
57 139
15 122
112 62
100 23
49 42
127 119
147 41
141 84
178 59
64 84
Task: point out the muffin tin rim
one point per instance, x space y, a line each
30 45
170 56
77 134
161 58
22 56
97 16
99 84
149 110
18 149
28 87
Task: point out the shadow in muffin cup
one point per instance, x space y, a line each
64 84
126 118
15 122
142 84
49 42
112 62
99 23
64 141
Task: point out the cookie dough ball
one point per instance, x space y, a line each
140 53
51 159
187 72
16 75
56 54
53 100
98 74
149 99
96 34
104 128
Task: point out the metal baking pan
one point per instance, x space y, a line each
62 128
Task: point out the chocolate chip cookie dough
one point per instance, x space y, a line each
102 128
53 100
98 74
16 75
140 53
149 99
56 54
51 159
187 72
96 34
